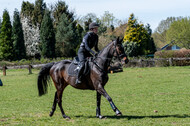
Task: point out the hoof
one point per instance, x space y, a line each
118 113
51 114
101 117
66 117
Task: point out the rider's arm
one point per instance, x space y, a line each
86 43
96 45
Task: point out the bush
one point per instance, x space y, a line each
131 48
183 53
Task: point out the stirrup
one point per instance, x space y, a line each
77 82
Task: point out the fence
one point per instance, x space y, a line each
29 67
158 62
132 63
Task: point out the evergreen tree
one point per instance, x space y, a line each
65 26
0 25
137 33
150 45
134 30
47 36
102 28
60 8
38 12
18 38
6 43
86 24
27 9
80 33
66 37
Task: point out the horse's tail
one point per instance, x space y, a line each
44 78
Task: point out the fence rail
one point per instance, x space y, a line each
132 63
159 62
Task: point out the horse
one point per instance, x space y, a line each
96 79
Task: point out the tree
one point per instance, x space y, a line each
107 19
47 36
160 33
131 49
139 34
66 37
0 25
135 33
6 43
150 45
86 24
133 30
60 8
180 32
27 9
102 28
80 33
18 38
31 26
65 26
38 12
34 11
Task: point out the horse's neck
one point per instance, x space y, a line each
105 57
107 52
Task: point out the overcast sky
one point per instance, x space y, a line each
146 11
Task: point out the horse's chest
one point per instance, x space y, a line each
104 79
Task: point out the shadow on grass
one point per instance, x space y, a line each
129 117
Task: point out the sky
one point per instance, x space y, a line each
146 11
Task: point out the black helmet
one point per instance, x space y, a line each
93 25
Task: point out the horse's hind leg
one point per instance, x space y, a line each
54 105
98 112
59 95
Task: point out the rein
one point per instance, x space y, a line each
98 66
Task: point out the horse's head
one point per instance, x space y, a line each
119 51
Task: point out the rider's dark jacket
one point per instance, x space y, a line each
90 40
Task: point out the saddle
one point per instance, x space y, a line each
73 68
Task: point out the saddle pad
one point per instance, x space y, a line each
72 71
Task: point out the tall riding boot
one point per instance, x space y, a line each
80 72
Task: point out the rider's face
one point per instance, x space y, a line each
95 30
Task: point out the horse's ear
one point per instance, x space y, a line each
121 40
117 41
117 38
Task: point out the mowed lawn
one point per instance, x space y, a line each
146 96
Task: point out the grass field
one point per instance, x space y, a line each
145 96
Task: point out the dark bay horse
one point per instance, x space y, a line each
95 80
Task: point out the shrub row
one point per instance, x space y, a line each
183 53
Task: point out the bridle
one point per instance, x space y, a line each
114 51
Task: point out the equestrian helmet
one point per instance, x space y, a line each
93 25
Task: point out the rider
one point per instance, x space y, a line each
89 41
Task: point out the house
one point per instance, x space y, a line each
170 46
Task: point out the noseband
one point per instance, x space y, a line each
115 50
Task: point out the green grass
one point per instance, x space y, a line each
137 92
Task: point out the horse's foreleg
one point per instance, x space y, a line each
54 105
102 91
98 112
